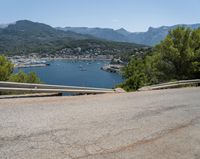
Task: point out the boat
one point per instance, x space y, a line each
83 69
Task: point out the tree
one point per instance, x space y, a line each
6 73
195 45
24 78
177 57
179 54
6 68
134 82
135 75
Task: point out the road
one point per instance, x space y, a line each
162 124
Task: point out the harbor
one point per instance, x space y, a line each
36 60
20 62
75 73
33 60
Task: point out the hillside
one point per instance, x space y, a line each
154 35
103 33
151 37
25 37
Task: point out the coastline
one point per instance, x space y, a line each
67 58
113 68
34 60
37 61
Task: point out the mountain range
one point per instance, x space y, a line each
27 37
151 37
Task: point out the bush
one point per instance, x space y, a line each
175 58
179 54
6 74
6 68
134 82
24 78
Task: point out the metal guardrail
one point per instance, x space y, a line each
45 88
32 95
175 84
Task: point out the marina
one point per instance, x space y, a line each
28 62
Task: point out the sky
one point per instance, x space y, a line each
133 15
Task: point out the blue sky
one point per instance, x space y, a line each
133 15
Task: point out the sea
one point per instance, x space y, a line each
86 73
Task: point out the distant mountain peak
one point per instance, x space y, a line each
123 31
24 21
151 28
151 37
28 22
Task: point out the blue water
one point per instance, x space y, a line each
76 73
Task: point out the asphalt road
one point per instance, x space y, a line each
162 124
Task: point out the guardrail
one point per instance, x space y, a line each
175 84
45 88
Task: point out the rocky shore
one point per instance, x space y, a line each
114 68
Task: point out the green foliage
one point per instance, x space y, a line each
175 58
27 37
175 55
135 75
134 82
24 78
135 66
195 45
179 55
6 68
152 69
6 73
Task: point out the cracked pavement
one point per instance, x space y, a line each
142 125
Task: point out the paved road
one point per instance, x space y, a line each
143 125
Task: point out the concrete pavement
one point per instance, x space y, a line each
162 124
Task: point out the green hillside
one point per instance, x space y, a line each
25 37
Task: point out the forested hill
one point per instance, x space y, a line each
26 37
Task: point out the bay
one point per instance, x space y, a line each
76 73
